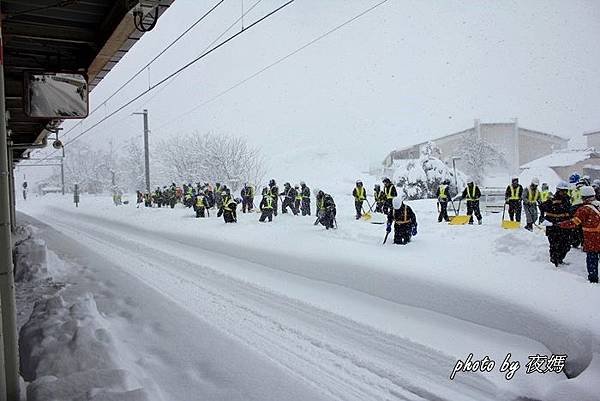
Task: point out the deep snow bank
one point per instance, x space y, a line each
68 353
66 349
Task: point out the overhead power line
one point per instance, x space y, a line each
240 83
229 39
173 78
149 63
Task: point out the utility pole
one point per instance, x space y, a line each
62 170
146 149
7 283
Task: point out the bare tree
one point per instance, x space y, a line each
132 165
479 155
211 158
88 167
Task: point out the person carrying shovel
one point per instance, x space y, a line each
443 196
472 194
360 195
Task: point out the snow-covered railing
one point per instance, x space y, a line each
493 199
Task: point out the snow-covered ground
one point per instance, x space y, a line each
197 309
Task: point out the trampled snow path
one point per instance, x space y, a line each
343 359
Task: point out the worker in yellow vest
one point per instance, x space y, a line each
576 202
545 195
472 193
266 206
443 196
531 197
389 193
360 195
200 205
512 196
298 198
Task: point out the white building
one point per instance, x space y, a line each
518 145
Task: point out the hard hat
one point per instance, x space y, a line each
573 178
544 185
514 178
535 181
397 202
563 185
596 182
302 183
587 192
358 182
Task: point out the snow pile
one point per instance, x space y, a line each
581 388
68 353
30 259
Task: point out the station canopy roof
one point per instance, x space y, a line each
89 36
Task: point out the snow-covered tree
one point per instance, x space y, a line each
430 149
210 158
86 166
420 178
479 155
132 166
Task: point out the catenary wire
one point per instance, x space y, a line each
175 73
240 83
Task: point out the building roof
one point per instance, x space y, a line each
521 130
591 132
563 158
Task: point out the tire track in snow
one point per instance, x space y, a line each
342 358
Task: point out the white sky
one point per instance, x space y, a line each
408 71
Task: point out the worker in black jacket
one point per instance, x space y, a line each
326 210
274 192
389 193
512 197
472 194
360 195
200 204
289 196
556 210
305 204
266 206
443 196
404 220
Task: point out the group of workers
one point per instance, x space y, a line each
570 215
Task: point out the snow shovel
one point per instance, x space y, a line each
457 219
366 216
508 224
386 235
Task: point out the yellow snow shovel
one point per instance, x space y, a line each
508 224
366 216
457 220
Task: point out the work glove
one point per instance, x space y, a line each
388 228
414 230
546 223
